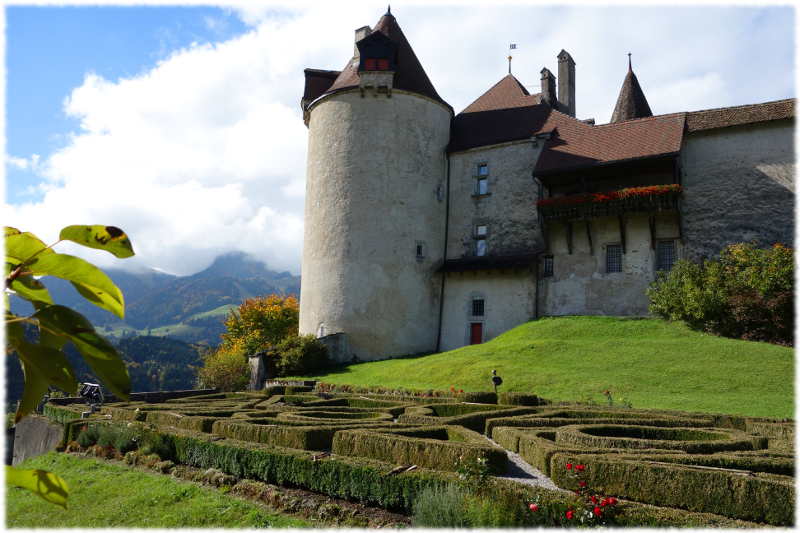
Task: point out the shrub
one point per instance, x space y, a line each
300 355
226 368
747 293
478 397
441 506
262 322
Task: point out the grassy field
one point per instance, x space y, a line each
106 495
647 362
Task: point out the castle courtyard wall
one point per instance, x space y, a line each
509 208
738 187
580 284
509 300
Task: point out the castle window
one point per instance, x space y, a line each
483 169
420 250
547 266
477 307
480 240
614 258
665 255
482 186
376 64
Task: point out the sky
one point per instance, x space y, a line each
182 124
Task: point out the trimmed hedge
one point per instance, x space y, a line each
761 498
475 421
520 398
538 421
478 397
62 414
638 437
403 447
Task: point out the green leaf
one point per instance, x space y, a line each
44 484
101 356
31 289
42 366
23 246
108 238
90 281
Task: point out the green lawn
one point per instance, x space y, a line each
649 362
107 495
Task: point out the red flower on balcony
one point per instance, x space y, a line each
610 196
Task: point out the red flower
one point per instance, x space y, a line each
597 511
581 483
604 502
612 501
533 507
594 499
569 466
461 391
570 514
580 467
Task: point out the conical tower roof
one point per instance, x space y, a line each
505 94
631 102
409 74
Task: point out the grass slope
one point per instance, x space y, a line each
106 495
649 362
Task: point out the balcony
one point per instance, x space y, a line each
648 199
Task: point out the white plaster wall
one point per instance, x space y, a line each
509 210
375 165
580 284
508 302
738 186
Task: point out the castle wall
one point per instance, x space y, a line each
374 191
738 186
509 208
509 300
580 284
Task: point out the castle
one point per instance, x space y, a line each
426 230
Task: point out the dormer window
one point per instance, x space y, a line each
376 64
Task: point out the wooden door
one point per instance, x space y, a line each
476 333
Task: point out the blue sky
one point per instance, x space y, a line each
50 49
182 124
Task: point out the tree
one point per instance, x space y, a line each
256 325
43 361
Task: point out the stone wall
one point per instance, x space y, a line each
374 193
509 300
509 208
738 186
580 284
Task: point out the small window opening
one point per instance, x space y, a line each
547 266
477 307
665 255
482 186
483 169
614 258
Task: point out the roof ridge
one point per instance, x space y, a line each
642 119
743 105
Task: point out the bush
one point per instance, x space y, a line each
300 355
441 506
262 322
226 369
747 293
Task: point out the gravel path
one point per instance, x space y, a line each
521 472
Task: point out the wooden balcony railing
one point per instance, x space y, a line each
633 200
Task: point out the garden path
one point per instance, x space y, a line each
520 471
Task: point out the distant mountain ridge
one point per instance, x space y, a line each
189 308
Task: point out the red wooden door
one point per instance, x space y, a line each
476 333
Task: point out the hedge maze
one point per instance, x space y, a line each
383 449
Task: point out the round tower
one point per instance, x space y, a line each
375 200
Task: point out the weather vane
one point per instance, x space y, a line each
510 47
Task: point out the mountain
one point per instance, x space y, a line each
190 308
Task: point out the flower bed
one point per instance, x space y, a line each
633 199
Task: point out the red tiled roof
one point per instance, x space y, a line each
409 76
505 94
744 114
578 145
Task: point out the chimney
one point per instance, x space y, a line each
549 88
361 32
566 83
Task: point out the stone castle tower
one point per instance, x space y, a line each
375 199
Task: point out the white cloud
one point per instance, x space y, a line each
23 163
205 152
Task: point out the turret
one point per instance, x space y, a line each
375 211
631 102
